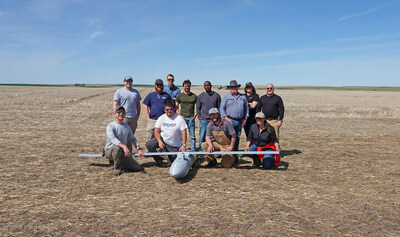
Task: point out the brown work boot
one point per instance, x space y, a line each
227 161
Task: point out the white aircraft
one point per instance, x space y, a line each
184 160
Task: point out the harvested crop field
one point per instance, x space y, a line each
339 175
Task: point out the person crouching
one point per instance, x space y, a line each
169 133
262 136
220 136
116 150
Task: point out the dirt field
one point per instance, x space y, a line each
340 173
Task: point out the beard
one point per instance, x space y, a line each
158 89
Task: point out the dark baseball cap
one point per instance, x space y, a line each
159 81
119 108
249 84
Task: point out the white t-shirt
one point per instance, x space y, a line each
171 129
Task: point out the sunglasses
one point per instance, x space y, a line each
170 79
269 88
159 85
120 112
169 110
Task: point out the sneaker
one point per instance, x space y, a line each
211 164
117 172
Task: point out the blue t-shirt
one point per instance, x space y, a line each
174 92
156 103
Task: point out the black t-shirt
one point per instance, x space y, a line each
250 99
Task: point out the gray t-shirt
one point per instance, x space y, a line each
128 99
119 133
228 129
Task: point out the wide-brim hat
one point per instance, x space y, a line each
233 83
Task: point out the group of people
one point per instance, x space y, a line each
170 112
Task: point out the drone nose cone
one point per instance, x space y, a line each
181 166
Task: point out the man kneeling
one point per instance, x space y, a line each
169 133
118 154
220 136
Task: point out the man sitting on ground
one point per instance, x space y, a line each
169 133
116 150
220 136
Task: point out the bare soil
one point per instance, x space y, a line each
340 172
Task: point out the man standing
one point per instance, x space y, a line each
205 101
272 107
118 133
235 109
153 106
171 89
187 100
129 98
169 133
220 136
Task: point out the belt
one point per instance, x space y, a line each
235 118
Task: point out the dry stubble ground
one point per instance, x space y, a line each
341 150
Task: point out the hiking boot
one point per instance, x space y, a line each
117 172
256 161
211 164
227 161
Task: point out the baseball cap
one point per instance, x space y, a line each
159 81
249 84
260 115
128 78
119 108
213 111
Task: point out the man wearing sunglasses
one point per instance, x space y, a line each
129 98
171 89
272 107
169 133
116 150
153 106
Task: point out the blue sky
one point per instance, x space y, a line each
286 42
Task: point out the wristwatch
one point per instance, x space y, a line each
184 145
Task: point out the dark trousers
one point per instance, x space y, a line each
152 146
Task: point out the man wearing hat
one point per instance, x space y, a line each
234 108
153 106
129 98
116 150
220 136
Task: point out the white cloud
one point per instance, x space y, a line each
94 35
342 18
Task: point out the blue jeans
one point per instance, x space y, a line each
237 125
202 131
268 159
191 127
